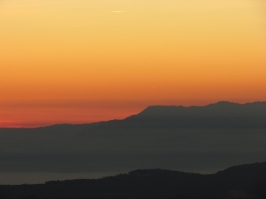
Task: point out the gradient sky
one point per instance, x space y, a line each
80 61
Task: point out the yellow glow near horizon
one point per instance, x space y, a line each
136 52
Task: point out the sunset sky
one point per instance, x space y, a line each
81 61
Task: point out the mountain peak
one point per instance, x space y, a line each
220 114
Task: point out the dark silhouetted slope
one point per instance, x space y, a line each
245 181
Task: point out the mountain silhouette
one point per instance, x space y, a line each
244 181
221 114
201 139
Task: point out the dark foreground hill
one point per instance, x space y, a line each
245 181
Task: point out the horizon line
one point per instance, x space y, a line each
19 125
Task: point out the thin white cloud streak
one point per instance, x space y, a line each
117 11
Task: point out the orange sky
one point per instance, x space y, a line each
81 61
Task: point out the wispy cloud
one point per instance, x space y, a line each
118 11
5 121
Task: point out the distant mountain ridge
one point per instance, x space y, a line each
244 181
222 114
192 139
230 114
219 106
